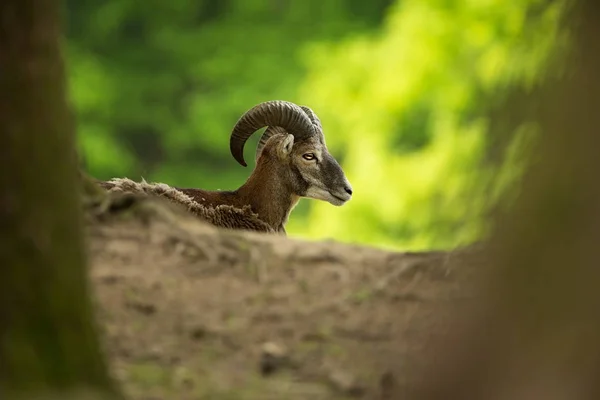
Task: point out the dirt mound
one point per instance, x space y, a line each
189 311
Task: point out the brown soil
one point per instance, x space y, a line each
189 311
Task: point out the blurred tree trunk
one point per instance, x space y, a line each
48 340
538 335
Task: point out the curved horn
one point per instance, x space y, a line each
270 131
271 113
316 122
274 130
313 117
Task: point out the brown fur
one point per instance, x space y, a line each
264 202
219 214
266 192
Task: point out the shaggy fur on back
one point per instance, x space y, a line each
224 216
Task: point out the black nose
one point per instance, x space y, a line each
348 190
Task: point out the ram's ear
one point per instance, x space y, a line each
285 146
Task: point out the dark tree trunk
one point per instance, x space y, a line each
538 334
48 341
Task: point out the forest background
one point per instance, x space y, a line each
405 90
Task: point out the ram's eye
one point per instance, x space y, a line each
308 156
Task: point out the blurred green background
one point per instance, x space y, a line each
404 89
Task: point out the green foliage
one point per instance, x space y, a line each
158 87
407 108
402 90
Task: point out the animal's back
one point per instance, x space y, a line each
208 208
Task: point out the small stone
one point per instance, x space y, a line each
141 307
198 333
273 357
345 383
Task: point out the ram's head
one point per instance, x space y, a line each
294 144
